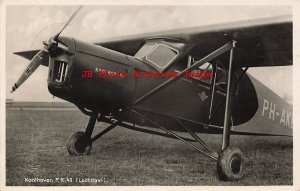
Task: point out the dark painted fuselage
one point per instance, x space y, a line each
188 99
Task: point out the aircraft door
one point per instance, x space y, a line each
210 80
213 79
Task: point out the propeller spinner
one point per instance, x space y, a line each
36 61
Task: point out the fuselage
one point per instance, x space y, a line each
106 81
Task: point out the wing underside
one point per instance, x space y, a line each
261 42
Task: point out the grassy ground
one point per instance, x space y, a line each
36 148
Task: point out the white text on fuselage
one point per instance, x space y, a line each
283 115
110 74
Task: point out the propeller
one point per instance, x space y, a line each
49 47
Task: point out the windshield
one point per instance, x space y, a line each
145 50
162 55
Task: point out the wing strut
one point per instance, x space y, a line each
228 106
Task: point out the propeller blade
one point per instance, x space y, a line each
37 60
34 64
70 19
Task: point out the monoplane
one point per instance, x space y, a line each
190 80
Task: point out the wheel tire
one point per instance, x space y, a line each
231 164
79 144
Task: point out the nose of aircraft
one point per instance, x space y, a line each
50 47
91 76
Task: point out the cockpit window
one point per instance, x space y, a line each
162 55
145 50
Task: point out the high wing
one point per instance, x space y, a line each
261 42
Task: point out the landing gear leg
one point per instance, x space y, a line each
80 143
230 165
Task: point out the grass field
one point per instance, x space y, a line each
36 148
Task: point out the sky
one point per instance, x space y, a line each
28 26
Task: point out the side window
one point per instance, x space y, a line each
203 73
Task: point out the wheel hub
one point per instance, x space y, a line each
235 165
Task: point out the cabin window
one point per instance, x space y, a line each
162 55
203 73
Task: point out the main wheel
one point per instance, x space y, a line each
79 144
231 164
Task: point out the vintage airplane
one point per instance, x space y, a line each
111 82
